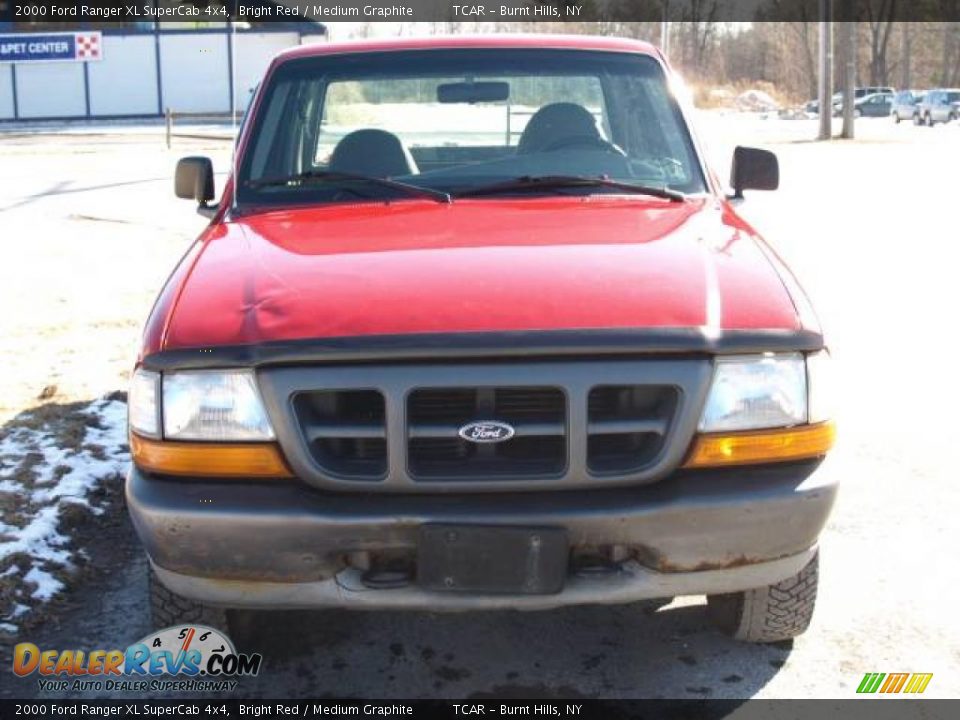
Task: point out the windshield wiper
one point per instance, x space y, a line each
332 176
547 182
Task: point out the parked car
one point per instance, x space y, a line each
836 100
474 326
861 92
877 105
873 105
940 105
906 105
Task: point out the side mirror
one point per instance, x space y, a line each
753 169
194 180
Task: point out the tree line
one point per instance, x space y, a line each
780 54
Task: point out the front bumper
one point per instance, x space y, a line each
288 545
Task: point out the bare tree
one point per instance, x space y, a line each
697 32
880 15
950 73
804 34
906 80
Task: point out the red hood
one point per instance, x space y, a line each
477 265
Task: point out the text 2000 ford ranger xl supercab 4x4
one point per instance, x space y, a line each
474 326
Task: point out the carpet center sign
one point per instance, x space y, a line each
51 47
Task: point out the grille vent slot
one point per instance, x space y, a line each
627 426
346 431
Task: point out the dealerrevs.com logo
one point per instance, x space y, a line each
180 658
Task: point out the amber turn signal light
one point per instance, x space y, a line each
764 446
225 460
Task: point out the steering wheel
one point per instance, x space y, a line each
590 142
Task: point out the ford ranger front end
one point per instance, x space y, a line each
474 326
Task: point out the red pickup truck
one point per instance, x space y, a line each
474 326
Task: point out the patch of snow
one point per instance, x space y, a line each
39 538
47 584
19 610
61 476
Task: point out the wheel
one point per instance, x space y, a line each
768 614
896 118
928 120
857 113
167 608
916 119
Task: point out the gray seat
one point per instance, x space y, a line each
372 152
555 123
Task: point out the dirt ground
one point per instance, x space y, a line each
90 229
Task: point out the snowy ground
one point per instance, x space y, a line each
88 239
91 228
49 468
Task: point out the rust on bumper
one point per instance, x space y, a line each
633 582
269 534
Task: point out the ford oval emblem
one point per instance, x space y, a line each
487 431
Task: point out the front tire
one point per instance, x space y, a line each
768 614
929 120
167 609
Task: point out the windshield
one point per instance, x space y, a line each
456 120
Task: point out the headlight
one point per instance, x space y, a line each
214 405
756 391
143 409
820 387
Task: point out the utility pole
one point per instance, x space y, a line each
826 72
848 41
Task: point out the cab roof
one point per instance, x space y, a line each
447 42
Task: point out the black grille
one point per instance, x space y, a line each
345 431
578 424
435 451
627 425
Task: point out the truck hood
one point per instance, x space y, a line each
475 266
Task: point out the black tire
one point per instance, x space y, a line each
929 120
896 118
167 608
768 614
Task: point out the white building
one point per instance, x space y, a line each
138 69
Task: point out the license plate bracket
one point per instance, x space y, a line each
492 559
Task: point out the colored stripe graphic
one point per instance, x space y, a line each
918 683
870 682
894 683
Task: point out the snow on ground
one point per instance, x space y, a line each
51 463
